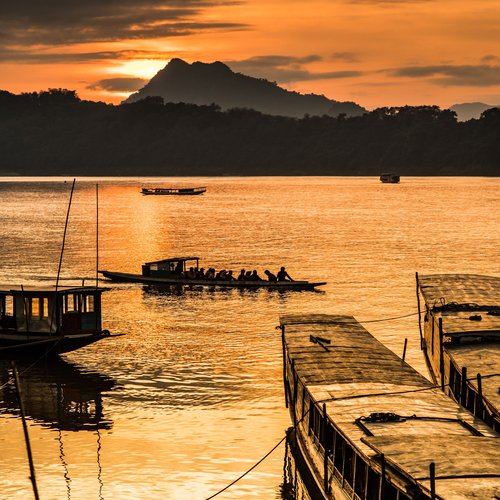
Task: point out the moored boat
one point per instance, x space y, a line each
175 191
460 338
389 178
368 426
175 271
36 321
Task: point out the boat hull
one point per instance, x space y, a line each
17 345
280 285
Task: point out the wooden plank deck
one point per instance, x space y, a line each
356 376
457 301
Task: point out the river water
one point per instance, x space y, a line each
191 396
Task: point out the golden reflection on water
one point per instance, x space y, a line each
197 393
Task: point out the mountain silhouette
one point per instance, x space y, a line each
205 84
469 110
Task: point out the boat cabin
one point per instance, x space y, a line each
50 310
169 267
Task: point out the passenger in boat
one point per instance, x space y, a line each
255 276
178 267
210 274
200 275
270 276
241 276
283 275
221 275
229 276
191 274
248 276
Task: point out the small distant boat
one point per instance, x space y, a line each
174 191
36 321
175 272
389 178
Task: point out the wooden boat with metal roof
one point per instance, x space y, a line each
49 320
460 337
174 272
368 426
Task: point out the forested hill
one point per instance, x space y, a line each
204 84
55 133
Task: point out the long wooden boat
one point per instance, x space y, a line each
461 339
389 178
36 321
174 272
368 426
175 191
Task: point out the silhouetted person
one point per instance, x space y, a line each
255 276
229 276
270 276
179 267
241 276
248 275
200 274
283 275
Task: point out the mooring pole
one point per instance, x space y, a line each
284 363
326 449
25 430
432 471
382 478
404 352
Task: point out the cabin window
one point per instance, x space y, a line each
35 308
349 465
8 306
153 267
329 436
44 303
360 477
338 460
88 303
373 485
390 492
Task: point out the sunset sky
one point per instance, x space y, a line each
374 52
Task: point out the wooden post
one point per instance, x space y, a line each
432 471
326 450
404 352
419 313
284 363
26 435
294 397
382 478
441 353
463 387
479 397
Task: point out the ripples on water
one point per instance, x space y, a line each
192 395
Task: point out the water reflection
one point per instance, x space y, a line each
57 394
295 474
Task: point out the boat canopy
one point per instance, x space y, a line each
50 309
172 260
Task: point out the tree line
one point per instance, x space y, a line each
54 132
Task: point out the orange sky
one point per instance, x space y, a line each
373 52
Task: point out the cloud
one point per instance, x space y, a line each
345 56
63 22
118 84
286 69
40 57
480 75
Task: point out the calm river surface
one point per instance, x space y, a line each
192 395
